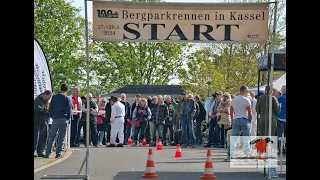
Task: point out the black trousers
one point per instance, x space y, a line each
165 131
93 132
147 134
40 137
198 132
108 134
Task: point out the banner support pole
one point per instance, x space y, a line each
271 80
88 91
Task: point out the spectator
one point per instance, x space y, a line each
262 110
185 113
241 116
201 117
214 130
101 121
159 114
126 118
76 103
282 116
41 120
169 121
141 115
254 120
137 100
224 119
60 111
276 93
93 109
82 121
154 102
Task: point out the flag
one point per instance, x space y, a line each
42 77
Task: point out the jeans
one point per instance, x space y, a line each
101 135
165 131
147 134
243 126
223 134
212 127
198 132
187 123
160 128
62 128
128 134
141 130
74 128
40 137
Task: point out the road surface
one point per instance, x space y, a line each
128 163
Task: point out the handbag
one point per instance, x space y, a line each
99 120
129 124
137 124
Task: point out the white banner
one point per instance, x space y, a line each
42 80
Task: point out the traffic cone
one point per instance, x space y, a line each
159 145
208 169
150 171
129 141
178 152
144 142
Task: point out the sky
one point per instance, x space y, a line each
80 3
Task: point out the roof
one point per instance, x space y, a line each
147 90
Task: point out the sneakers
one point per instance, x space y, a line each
111 145
59 156
100 144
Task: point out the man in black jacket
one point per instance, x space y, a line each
41 119
126 117
201 117
137 100
108 116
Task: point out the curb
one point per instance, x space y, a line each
56 161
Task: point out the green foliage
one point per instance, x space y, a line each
58 28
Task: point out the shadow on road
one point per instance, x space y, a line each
192 175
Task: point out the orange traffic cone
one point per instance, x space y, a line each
150 171
129 141
178 152
144 142
208 169
159 145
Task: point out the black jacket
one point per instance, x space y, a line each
128 111
108 112
202 114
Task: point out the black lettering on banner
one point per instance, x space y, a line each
132 31
124 14
154 30
232 16
227 30
205 34
179 33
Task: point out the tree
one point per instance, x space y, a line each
60 30
227 66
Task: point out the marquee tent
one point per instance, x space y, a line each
276 84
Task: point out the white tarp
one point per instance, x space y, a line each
276 84
42 80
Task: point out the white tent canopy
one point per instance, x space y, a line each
276 84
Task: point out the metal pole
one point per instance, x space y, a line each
88 91
271 78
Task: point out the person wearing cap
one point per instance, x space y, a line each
214 129
118 113
185 113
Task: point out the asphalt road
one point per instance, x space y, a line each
129 163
